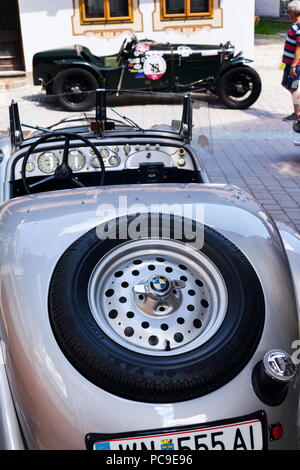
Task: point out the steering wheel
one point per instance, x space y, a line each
134 38
127 45
63 172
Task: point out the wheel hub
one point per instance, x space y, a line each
174 310
158 296
76 89
240 87
159 286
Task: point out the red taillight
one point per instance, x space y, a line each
276 432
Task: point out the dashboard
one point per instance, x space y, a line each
82 159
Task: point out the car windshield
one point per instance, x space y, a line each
132 112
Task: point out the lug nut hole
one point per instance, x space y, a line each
153 340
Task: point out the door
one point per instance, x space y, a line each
11 54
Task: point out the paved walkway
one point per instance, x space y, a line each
253 149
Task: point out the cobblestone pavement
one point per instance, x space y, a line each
254 149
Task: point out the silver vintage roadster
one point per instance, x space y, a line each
142 307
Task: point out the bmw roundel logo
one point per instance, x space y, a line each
159 284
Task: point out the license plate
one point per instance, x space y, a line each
246 433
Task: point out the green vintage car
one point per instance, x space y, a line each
147 65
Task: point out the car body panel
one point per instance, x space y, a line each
291 240
10 435
57 407
185 65
46 67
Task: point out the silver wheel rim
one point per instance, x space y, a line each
168 323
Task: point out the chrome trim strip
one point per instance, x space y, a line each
10 434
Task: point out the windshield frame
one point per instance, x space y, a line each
98 121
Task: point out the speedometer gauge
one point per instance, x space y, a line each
48 162
76 160
104 152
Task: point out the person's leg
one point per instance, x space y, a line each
296 100
296 103
291 84
296 92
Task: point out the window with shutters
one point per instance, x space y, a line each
186 9
106 11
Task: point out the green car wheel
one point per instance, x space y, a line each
239 87
75 89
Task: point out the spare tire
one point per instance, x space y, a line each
156 319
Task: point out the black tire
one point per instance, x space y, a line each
75 78
296 126
151 378
239 87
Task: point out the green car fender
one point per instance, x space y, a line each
237 61
233 63
92 68
46 75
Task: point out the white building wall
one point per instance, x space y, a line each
267 8
47 25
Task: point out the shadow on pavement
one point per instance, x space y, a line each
126 99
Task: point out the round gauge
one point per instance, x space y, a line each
48 162
104 153
76 160
95 162
29 166
114 160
